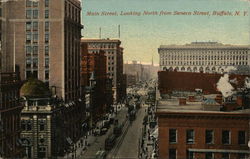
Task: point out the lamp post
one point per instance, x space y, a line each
92 83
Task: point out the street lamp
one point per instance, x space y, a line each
92 83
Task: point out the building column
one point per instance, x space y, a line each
49 136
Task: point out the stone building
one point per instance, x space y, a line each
42 126
42 38
114 66
202 56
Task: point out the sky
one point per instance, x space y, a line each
142 35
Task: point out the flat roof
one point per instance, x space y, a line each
172 106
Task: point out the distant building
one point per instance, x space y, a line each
203 56
114 66
42 123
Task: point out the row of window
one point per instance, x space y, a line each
33 25
209 137
26 125
34 74
34 14
95 45
203 63
206 58
33 62
204 52
34 50
32 3
33 37
208 155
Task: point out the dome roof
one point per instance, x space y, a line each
34 88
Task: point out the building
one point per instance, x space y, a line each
195 120
114 66
188 131
203 56
10 146
170 81
42 127
94 68
42 38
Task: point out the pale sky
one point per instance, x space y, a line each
142 35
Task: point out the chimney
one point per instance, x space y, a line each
182 101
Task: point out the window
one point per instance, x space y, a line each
35 50
41 125
46 37
225 156
172 135
46 62
23 125
28 3
209 136
46 26
209 155
46 3
28 13
28 37
190 155
35 62
35 37
28 63
29 126
28 50
35 13
35 26
35 3
172 153
242 137
28 74
225 137
46 50
28 26
41 152
190 136
35 74
47 74
46 14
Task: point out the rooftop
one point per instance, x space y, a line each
172 106
204 45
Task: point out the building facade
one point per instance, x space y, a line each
114 66
10 109
202 56
42 39
194 135
42 127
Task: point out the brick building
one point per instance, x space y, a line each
190 132
94 64
189 81
114 65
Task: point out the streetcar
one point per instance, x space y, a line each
117 131
110 142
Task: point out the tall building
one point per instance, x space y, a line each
42 39
10 107
203 56
114 53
